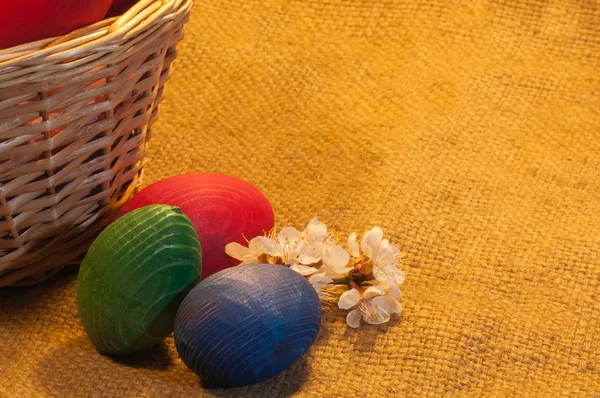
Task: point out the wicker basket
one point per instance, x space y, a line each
75 117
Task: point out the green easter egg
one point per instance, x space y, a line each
134 277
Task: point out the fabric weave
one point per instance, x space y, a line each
468 130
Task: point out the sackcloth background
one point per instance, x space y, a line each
468 130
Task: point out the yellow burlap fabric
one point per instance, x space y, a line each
469 131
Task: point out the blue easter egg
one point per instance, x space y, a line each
245 324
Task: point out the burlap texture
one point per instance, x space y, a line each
468 130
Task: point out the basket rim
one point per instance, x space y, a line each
93 41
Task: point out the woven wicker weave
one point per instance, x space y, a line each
75 117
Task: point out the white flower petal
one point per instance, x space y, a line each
320 277
387 255
289 235
312 254
353 318
399 276
327 280
389 248
395 289
319 281
349 299
370 241
383 249
388 304
338 272
336 257
255 244
303 269
316 230
381 284
262 244
334 273
379 274
382 316
237 251
372 312
374 291
314 277
353 245
386 261
393 274
385 244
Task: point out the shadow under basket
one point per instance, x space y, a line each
75 118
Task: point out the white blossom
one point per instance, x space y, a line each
374 307
383 255
319 281
301 251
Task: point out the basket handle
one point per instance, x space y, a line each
133 12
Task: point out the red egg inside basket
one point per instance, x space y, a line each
222 208
119 7
23 21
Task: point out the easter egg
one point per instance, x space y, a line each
134 277
223 209
69 15
29 20
19 23
245 324
119 7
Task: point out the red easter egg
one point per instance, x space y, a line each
21 21
222 208
69 15
119 7
30 20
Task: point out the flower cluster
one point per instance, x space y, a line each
368 270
